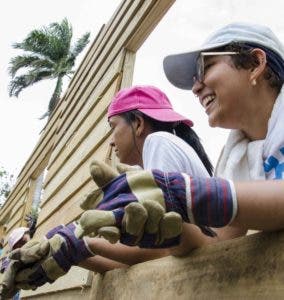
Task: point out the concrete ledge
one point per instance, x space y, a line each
246 268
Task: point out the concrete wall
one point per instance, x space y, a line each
251 267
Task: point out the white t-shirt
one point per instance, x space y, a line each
169 153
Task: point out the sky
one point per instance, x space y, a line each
184 27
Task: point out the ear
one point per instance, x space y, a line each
256 71
139 126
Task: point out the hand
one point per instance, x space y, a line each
141 200
162 228
47 259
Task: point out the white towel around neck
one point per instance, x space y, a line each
242 159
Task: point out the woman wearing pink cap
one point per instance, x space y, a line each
147 132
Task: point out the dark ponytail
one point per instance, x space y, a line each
189 135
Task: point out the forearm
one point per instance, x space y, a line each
260 205
124 254
101 264
193 238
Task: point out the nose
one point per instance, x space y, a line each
197 87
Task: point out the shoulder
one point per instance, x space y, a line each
169 153
162 138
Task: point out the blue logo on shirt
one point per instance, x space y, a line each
275 163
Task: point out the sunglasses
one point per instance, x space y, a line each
200 63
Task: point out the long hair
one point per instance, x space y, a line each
179 129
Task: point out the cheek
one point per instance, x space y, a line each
121 135
118 133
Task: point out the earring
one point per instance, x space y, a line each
253 83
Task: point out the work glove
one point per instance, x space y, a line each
4 262
151 203
45 260
8 286
162 229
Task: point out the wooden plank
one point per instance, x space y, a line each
107 32
148 22
89 59
14 222
45 139
18 205
85 62
29 201
112 78
38 156
76 278
8 230
82 153
8 211
73 184
70 294
89 119
128 69
108 53
60 216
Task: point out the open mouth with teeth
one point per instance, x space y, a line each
208 100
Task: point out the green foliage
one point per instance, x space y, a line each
48 54
6 183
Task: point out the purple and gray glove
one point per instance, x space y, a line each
46 260
135 198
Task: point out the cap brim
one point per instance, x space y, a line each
166 115
181 68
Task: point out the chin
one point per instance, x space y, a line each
125 161
217 120
212 123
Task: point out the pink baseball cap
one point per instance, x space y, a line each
16 235
149 100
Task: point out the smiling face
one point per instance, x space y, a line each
223 92
124 141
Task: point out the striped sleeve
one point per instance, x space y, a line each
210 201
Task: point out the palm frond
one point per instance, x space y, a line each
52 41
28 61
63 32
35 42
80 44
20 82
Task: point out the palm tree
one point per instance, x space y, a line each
48 55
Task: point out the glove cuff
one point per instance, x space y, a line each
73 250
4 263
210 201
